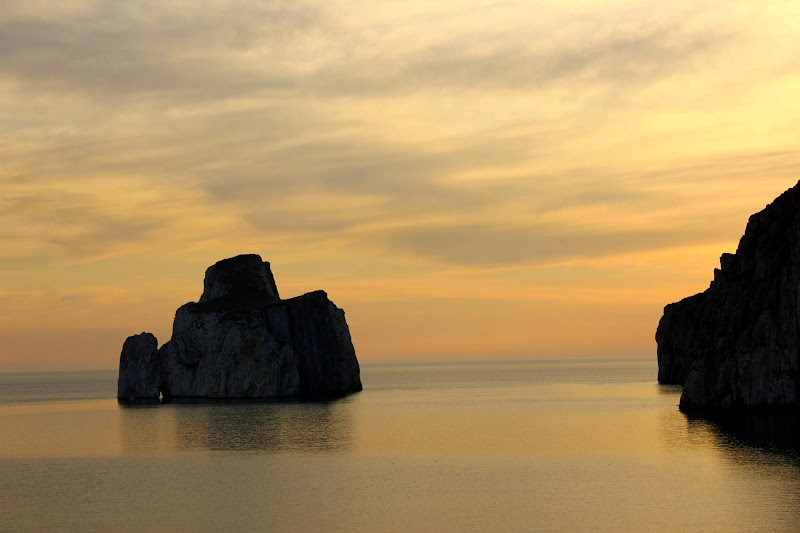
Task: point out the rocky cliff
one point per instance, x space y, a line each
240 340
736 345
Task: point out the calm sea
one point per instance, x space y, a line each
534 446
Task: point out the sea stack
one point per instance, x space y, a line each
736 345
240 340
139 368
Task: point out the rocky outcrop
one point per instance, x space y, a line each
243 281
139 368
737 344
240 340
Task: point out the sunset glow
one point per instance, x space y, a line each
472 180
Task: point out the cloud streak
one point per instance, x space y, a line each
484 245
77 224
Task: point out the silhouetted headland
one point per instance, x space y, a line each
735 346
240 340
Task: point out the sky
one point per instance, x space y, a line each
466 179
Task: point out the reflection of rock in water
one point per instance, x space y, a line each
280 426
778 432
145 429
730 431
677 431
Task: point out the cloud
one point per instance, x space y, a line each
512 64
165 48
536 244
239 109
559 144
178 52
78 225
404 204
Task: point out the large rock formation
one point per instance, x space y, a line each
737 344
139 368
240 340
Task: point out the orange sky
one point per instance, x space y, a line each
475 179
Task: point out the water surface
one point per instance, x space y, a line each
533 446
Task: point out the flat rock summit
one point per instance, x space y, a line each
240 340
737 345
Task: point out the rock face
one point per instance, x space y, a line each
737 344
240 340
139 368
243 280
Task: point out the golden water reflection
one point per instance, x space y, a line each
474 448
635 417
261 426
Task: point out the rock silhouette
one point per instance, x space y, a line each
240 340
736 345
139 368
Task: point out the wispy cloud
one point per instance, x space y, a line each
79 225
165 49
174 51
507 244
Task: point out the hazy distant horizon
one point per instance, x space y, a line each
462 179
424 361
